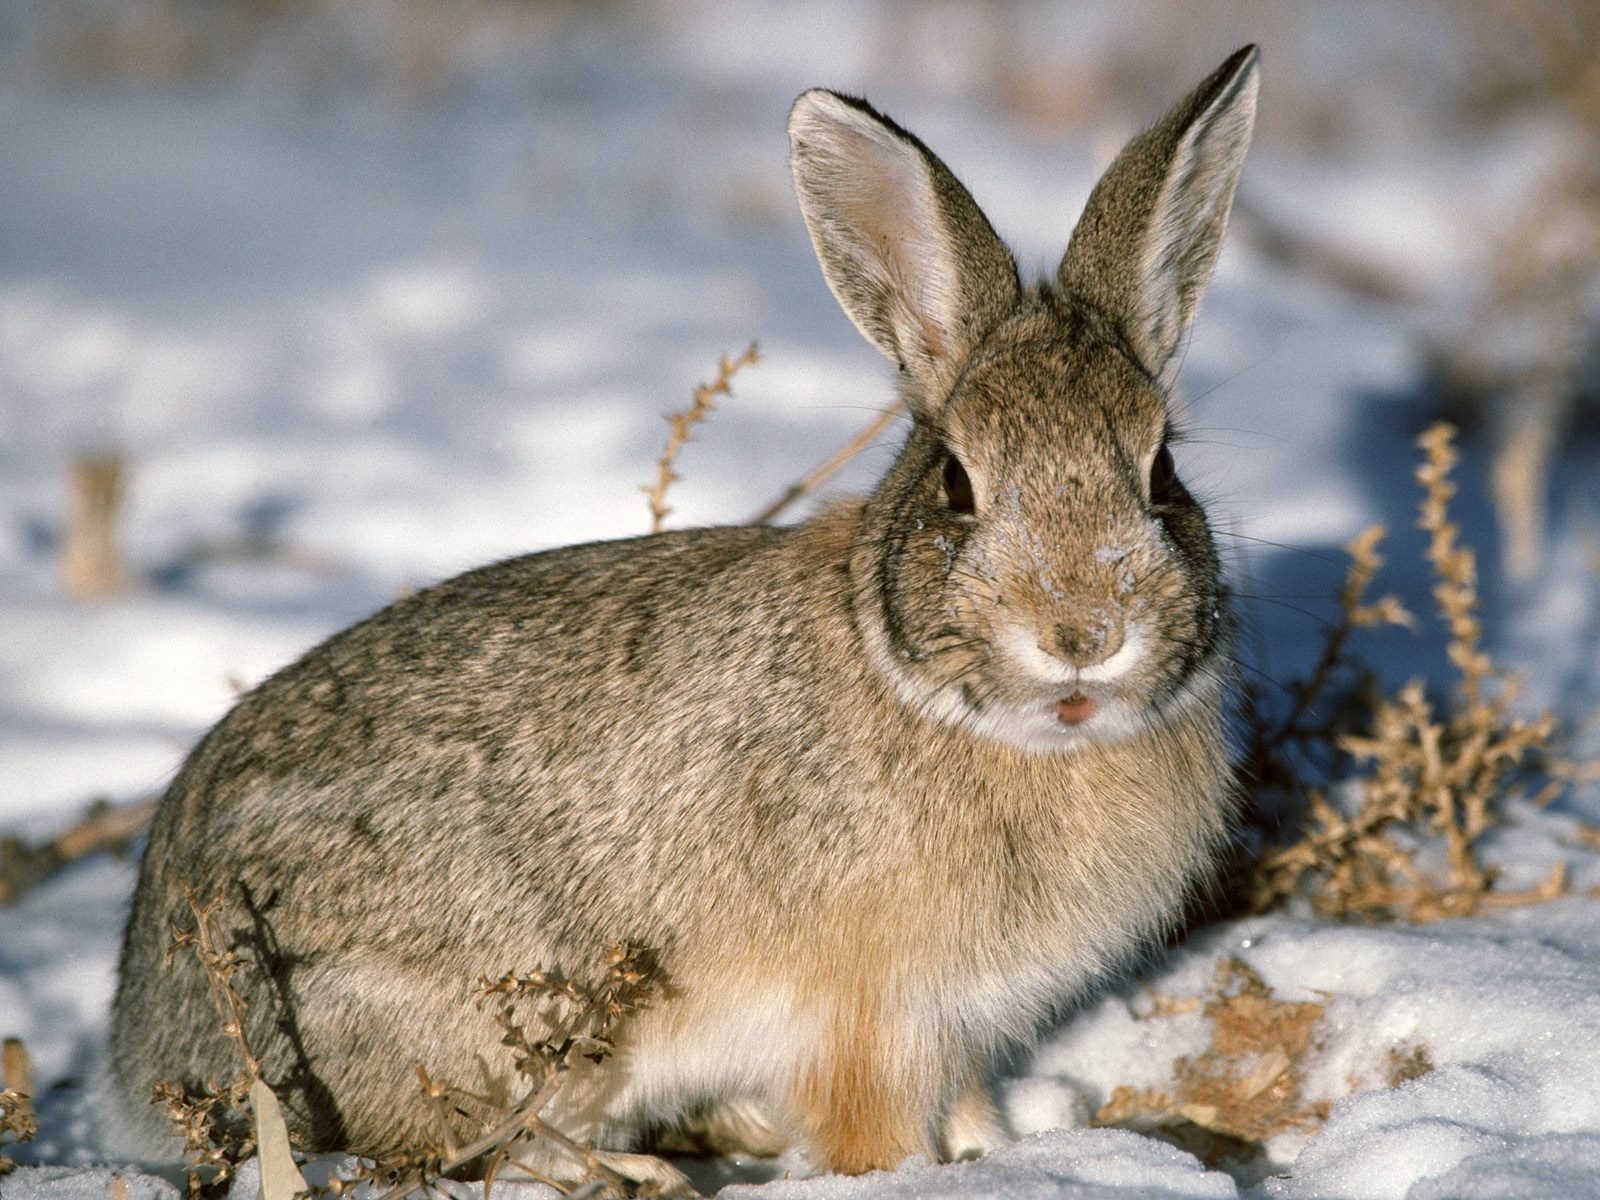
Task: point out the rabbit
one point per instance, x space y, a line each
880 793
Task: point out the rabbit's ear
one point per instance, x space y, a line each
1148 238
902 244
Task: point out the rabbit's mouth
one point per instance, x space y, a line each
1056 705
1075 709
1058 724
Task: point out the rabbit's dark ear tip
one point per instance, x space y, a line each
1244 59
1236 74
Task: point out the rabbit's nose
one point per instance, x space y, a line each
1084 643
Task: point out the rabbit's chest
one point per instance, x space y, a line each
1031 901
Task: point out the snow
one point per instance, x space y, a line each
1083 1164
398 337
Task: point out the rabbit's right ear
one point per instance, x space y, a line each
902 244
1148 238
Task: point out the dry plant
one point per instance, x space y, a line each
91 560
214 1116
1248 1085
1244 1088
1279 753
18 1123
224 1123
104 827
830 466
683 423
1403 1064
584 1025
1412 774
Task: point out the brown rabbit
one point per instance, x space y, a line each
880 792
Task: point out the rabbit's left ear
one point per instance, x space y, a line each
902 244
1148 238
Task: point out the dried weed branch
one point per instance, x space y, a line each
225 1123
583 1025
214 1117
682 427
91 560
1422 776
221 964
18 1122
103 827
831 465
1249 1084
1319 703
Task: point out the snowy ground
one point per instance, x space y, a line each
406 336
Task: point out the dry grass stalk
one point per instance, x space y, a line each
584 1025
1245 1087
682 426
103 827
1426 775
830 466
18 1122
221 964
214 1117
91 562
225 1123
1248 1085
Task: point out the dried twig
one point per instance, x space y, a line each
1248 1085
1245 1087
91 562
1426 775
18 1122
831 465
586 1028
221 964
103 827
683 424
1279 752
213 1117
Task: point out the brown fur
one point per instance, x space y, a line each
858 1115
816 771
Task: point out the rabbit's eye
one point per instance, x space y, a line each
957 486
1163 477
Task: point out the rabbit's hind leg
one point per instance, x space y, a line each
731 1127
654 1176
570 1170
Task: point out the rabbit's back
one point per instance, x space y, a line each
515 768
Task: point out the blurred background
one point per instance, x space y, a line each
307 302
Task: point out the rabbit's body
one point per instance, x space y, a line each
812 894
879 792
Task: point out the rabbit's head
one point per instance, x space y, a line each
1031 567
